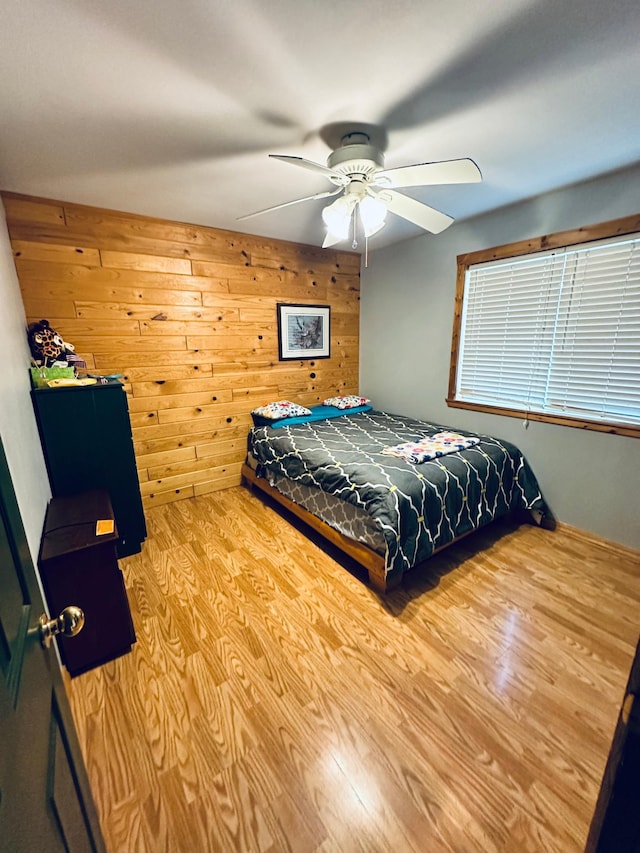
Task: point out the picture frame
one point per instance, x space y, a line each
303 331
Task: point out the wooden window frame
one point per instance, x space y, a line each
561 239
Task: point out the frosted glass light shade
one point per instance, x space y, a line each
337 216
373 213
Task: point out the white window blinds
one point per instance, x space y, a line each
555 332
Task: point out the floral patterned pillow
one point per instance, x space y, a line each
346 401
281 409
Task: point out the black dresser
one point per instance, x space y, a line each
86 437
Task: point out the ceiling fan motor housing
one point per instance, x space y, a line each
356 156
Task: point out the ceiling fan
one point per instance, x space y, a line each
368 190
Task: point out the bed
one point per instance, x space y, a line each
333 471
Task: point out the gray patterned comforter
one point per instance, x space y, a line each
419 508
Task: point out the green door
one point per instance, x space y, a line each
45 800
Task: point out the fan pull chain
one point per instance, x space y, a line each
354 220
354 244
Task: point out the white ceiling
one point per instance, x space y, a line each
170 107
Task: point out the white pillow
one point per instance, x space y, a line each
346 401
281 409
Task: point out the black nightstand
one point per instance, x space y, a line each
80 567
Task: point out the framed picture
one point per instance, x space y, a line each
303 331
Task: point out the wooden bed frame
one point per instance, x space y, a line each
362 554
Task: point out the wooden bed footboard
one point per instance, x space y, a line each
362 554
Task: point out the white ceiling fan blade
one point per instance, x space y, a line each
288 203
415 211
428 174
336 177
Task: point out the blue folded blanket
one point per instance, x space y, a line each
318 413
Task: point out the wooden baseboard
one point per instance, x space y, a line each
607 544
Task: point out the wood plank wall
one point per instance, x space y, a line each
187 314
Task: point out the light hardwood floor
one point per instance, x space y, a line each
273 702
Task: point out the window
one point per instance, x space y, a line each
551 329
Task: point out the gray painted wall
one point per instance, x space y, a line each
17 421
589 479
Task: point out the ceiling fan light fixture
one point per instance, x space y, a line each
373 213
337 217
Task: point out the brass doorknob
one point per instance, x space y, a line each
69 623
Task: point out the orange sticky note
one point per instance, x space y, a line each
104 525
